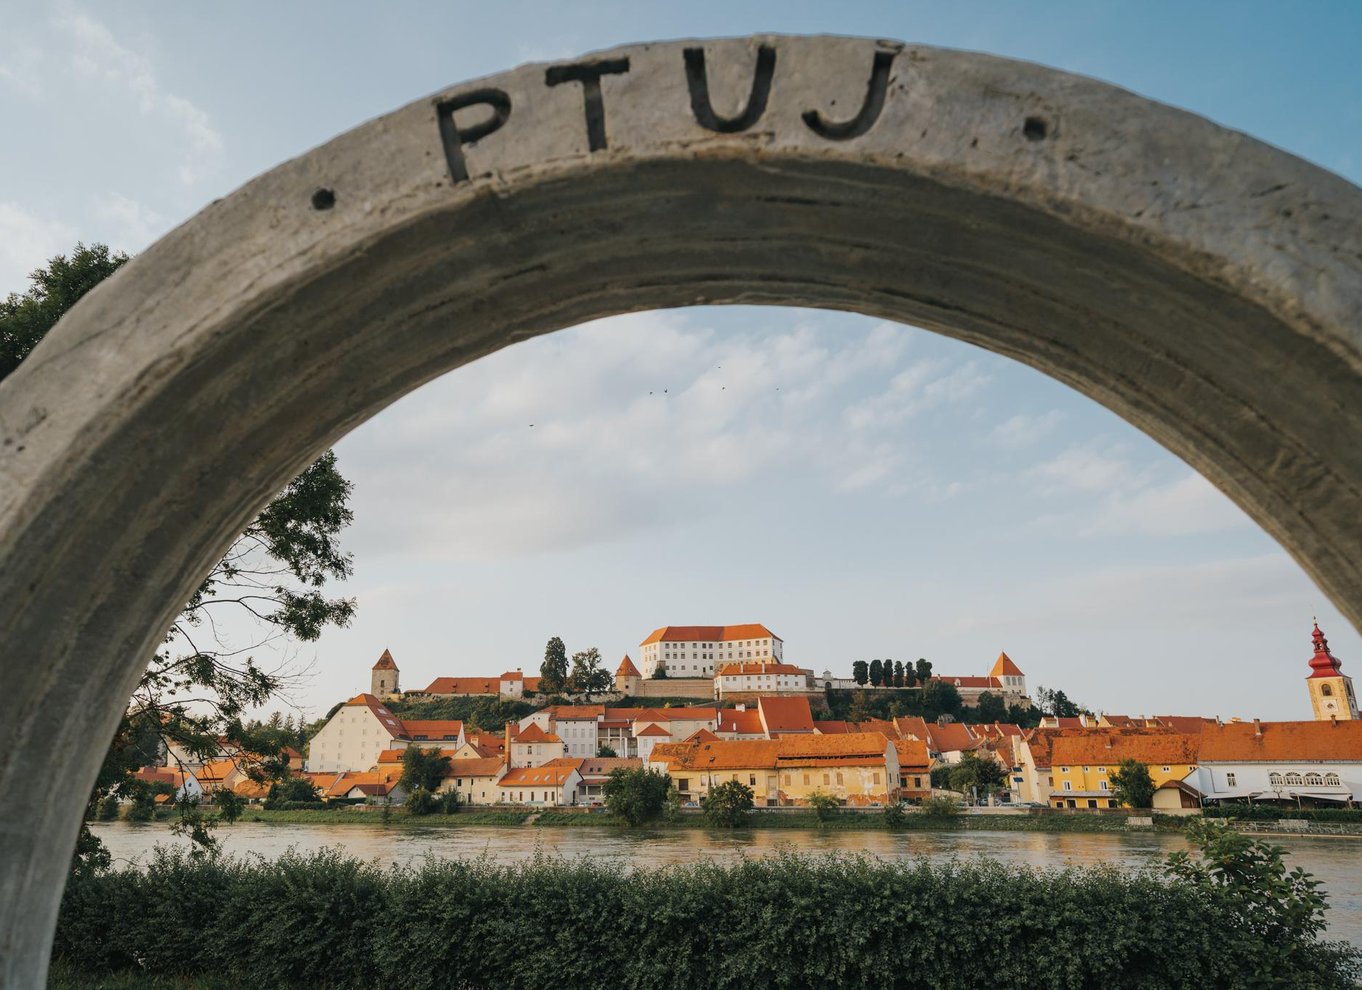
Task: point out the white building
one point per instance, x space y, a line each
363 727
761 677
698 651
534 747
575 725
1310 762
554 783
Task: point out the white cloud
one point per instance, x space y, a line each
634 423
97 54
21 64
132 225
1022 430
1189 504
26 242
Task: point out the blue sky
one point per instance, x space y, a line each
901 495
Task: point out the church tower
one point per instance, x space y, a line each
383 682
1331 691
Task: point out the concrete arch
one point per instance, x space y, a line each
1199 283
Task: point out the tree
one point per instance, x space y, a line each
923 671
230 805
553 672
423 768
824 805
194 690
292 790
981 774
1276 907
727 804
1132 785
1056 703
990 708
909 675
876 673
588 676
604 752
638 796
939 698
26 319
860 672
421 802
899 674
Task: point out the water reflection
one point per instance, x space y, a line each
1336 861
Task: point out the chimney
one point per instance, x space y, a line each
1333 719
1257 728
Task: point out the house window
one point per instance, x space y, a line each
1275 779
683 784
1331 780
1326 690
1165 769
1313 779
1068 786
752 779
1063 769
1229 780
1101 785
1293 779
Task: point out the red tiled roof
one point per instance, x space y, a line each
953 737
1004 667
743 723
700 634
1106 747
603 766
756 667
912 725
829 728
656 730
432 729
534 734
464 685
1184 723
487 766
1240 742
785 714
568 713
627 668
554 773
385 662
969 682
912 754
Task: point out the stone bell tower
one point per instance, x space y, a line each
1331 691
383 681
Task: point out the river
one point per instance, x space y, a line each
1336 861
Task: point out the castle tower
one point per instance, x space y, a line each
1014 681
1331 691
383 681
627 678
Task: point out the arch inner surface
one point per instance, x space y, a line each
1200 284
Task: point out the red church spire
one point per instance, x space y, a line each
1323 663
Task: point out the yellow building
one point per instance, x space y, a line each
857 768
1083 761
1331 691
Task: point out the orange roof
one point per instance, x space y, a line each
1335 742
758 667
251 789
698 634
1004 667
554 774
804 748
433 729
604 766
701 735
912 754
627 668
830 728
385 662
656 730
912 725
969 682
742 723
371 782
464 685
1184 723
953 737
487 766
566 713
1106 747
534 734
684 714
800 750
785 714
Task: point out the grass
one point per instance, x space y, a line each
64 976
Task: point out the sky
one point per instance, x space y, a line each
864 489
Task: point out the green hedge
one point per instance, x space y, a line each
1273 813
792 921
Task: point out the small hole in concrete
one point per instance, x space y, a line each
1035 129
323 199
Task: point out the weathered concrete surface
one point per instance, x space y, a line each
1204 286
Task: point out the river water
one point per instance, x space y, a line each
1336 861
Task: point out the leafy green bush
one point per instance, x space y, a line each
325 920
825 806
638 796
421 802
941 808
727 804
895 816
1272 813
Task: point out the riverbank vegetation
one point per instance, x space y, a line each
850 921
